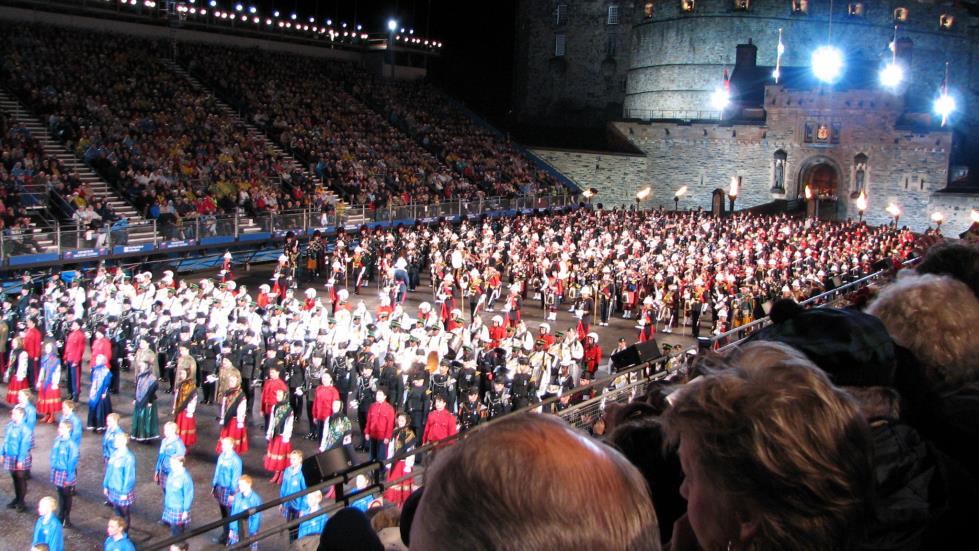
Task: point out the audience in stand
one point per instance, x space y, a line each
150 132
308 107
474 151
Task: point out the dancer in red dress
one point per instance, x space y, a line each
184 407
278 435
234 407
402 442
49 385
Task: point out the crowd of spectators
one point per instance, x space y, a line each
305 105
164 144
473 150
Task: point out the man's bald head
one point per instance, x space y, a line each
530 482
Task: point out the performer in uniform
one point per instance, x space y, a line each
119 484
402 442
245 499
184 407
170 446
117 539
109 438
64 468
325 395
440 424
338 430
224 485
47 529
380 424
16 454
234 408
293 481
146 423
49 384
178 496
99 403
278 435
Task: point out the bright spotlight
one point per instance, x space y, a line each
720 99
329 22
275 13
252 9
392 25
311 20
293 17
239 7
827 63
945 105
213 3
891 75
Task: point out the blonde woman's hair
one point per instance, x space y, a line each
936 318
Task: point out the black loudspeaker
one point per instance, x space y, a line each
326 465
636 354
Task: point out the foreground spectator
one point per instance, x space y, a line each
541 485
775 457
934 319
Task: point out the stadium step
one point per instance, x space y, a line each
139 233
259 136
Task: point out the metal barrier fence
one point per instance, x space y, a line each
686 115
620 388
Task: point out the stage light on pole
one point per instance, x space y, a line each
292 16
239 7
252 9
720 99
891 75
827 64
392 25
808 192
275 13
938 218
213 3
945 106
974 216
642 195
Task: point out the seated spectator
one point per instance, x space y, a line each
934 319
532 483
775 457
956 260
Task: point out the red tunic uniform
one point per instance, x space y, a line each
593 356
100 346
440 425
32 343
268 394
323 402
380 421
75 347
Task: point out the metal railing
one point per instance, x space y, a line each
730 339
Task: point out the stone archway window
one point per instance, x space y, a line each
742 5
800 7
687 5
778 172
859 174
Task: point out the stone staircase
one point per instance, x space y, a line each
257 135
140 232
260 137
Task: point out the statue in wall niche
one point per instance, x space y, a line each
778 179
859 174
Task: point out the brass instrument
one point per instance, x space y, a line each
433 361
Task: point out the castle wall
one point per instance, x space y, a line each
617 177
678 58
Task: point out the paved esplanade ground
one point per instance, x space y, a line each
89 516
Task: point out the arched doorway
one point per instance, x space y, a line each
822 176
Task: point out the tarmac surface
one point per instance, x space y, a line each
89 516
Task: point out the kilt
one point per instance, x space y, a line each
174 517
60 479
49 401
187 429
162 482
225 496
277 456
122 500
10 463
240 436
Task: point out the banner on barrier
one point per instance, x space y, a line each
127 249
178 244
86 253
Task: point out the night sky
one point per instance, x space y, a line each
477 58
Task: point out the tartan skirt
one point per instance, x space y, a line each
225 496
162 482
122 500
233 538
60 479
174 517
10 463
